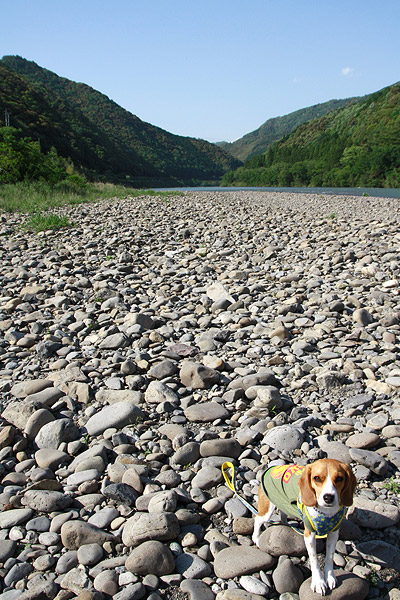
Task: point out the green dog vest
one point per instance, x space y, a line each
281 486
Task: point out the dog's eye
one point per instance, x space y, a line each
338 479
317 478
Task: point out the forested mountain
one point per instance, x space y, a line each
97 134
358 145
258 141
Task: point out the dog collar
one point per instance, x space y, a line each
320 523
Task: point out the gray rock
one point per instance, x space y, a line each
191 566
253 585
197 590
207 478
380 552
158 392
371 460
241 560
66 562
46 500
76 581
287 577
54 433
151 557
76 533
134 591
374 515
116 415
40 417
281 539
143 527
7 549
348 587
221 447
13 517
197 376
284 438
187 454
166 368
17 572
206 412
89 554
122 493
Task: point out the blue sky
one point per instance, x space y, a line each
213 69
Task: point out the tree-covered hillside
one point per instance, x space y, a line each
358 145
258 141
97 134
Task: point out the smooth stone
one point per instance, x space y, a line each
32 386
50 458
162 502
36 421
282 539
197 590
66 562
284 438
287 577
17 572
371 514
207 477
363 440
380 552
103 517
191 566
253 585
163 369
76 533
151 557
348 587
7 549
47 500
363 317
221 447
115 415
106 396
13 517
40 524
133 591
143 527
158 392
197 376
76 580
90 554
371 460
47 396
241 560
238 594
54 433
205 412
187 454
122 493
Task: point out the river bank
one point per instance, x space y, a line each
159 337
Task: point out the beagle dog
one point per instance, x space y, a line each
318 494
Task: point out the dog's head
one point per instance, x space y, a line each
327 483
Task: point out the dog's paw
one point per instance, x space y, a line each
331 580
318 585
256 539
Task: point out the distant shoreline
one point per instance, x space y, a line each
374 192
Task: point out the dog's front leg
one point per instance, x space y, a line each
265 511
330 549
318 584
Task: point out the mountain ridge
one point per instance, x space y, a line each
257 141
357 145
97 134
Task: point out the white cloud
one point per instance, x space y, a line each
347 71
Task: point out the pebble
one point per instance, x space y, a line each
141 350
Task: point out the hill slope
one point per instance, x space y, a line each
258 141
97 134
358 145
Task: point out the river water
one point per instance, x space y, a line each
377 192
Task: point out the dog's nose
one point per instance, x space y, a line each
329 498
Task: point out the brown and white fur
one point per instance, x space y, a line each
325 485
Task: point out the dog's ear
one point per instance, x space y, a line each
346 495
307 494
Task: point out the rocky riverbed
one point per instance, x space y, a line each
157 338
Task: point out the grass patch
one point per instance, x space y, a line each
392 485
39 222
37 196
